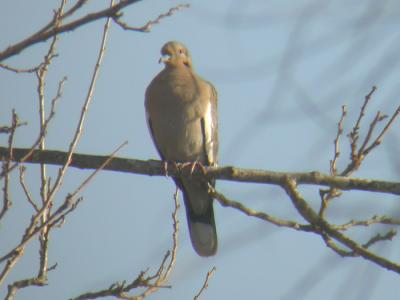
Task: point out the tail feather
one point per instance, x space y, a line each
200 217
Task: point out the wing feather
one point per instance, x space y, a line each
210 128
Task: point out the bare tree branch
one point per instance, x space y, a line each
51 30
149 25
321 224
79 129
157 168
41 74
151 283
205 284
358 154
257 214
70 203
6 165
336 142
28 195
374 220
43 130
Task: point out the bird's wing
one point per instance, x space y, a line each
209 126
150 127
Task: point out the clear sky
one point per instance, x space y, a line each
282 69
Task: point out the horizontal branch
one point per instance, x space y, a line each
158 168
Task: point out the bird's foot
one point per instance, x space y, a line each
176 166
193 165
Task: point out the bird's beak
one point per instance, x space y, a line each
165 58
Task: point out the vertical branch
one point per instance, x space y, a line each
43 237
89 96
327 195
163 274
42 131
6 165
46 202
41 73
333 166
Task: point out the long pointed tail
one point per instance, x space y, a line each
200 217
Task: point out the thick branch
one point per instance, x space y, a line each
157 168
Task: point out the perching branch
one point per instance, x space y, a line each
157 168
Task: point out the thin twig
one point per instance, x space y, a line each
163 275
358 154
378 118
257 214
374 220
379 138
28 195
327 195
19 70
354 134
90 177
205 284
337 140
378 238
79 4
149 25
367 98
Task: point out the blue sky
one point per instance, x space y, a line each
282 70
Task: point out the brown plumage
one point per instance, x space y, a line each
181 110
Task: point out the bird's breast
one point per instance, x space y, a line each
175 109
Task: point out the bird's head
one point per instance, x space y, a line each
175 54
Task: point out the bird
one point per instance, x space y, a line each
181 114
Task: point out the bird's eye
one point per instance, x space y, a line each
180 51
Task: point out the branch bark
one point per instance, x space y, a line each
158 168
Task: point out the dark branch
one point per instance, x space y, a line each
157 168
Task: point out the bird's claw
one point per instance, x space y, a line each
165 166
192 165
